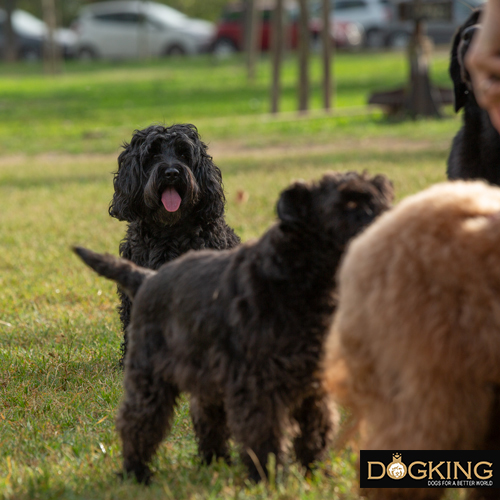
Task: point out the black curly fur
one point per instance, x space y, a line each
154 235
242 331
475 151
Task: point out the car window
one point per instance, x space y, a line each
266 15
232 16
166 15
350 4
119 17
464 8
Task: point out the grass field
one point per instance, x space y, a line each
59 333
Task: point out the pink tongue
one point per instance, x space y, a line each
171 199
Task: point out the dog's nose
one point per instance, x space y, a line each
171 173
469 33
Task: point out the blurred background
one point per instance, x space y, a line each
279 91
135 28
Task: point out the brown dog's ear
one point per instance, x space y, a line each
294 203
385 186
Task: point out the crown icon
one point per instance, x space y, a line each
396 456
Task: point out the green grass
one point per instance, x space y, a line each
59 332
95 107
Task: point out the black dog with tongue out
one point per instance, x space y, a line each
170 193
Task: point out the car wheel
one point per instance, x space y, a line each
87 54
175 50
30 54
223 47
399 40
373 38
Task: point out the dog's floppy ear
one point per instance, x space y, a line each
295 203
460 89
208 175
127 203
384 185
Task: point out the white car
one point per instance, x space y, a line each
135 29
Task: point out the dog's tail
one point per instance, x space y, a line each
128 275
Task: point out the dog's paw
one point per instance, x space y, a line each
139 472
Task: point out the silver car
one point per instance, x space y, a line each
379 19
135 29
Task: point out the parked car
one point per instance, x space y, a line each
441 31
373 15
230 31
132 29
31 34
381 25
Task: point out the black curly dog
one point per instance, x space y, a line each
241 330
475 151
170 193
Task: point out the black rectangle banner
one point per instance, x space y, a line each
429 469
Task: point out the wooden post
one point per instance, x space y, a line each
419 97
10 36
51 52
277 55
304 37
328 46
252 37
424 100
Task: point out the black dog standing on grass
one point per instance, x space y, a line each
170 193
475 151
241 330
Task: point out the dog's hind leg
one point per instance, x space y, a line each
146 412
209 421
256 420
315 419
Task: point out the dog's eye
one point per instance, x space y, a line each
351 205
183 154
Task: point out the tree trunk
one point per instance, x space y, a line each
328 47
277 55
424 99
252 37
10 53
51 52
303 57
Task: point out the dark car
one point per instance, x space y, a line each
31 34
230 33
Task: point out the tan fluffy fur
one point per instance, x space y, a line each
414 350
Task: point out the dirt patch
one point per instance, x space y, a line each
380 144
236 149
